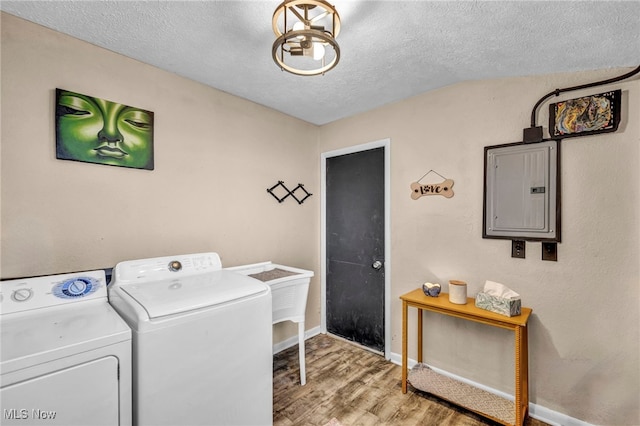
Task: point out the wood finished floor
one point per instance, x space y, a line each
356 387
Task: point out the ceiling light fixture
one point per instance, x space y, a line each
306 32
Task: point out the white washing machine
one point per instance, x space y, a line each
65 357
201 341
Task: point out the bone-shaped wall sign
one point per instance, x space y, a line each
420 189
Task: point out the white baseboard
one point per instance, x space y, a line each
554 418
293 341
537 412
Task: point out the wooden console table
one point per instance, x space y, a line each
517 324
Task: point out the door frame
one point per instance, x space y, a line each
386 144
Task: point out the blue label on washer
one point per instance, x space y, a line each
75 287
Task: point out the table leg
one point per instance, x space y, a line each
404 346
525 371
419 335
521 367
524 366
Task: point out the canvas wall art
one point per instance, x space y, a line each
585 116
95 130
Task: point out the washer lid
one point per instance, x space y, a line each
169 297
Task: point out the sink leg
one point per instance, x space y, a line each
303 374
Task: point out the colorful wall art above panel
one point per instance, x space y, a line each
586 115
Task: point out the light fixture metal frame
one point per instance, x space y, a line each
315 35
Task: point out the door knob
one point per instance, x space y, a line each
377 264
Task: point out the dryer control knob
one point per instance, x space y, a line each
77 287
175 266
22 294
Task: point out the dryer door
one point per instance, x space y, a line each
82 395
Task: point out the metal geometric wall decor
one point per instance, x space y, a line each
280 187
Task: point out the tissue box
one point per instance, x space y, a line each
499 305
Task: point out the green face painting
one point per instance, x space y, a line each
98 131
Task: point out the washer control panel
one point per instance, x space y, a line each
164 268
25 294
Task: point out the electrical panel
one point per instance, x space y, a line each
521 197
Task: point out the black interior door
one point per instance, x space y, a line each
355 247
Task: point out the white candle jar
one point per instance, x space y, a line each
458 292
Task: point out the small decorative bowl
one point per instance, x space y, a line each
431 289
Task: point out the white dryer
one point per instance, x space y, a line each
65 353
202 350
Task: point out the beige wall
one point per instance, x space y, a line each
216 155
585 329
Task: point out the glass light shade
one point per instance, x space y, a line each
318 51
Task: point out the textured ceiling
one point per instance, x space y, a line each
390 50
